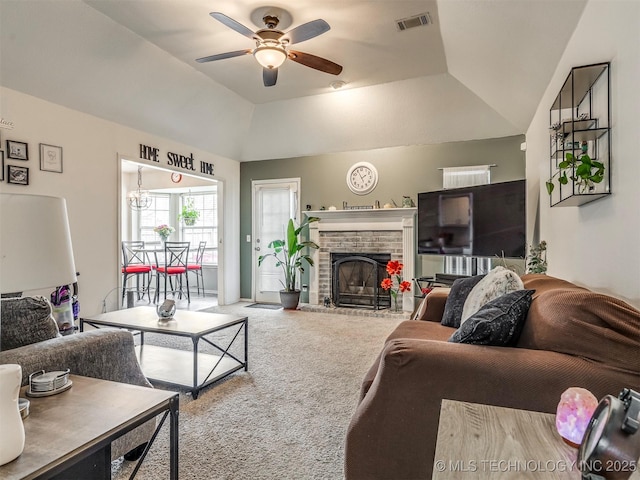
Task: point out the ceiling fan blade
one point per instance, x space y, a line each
318 63
306 31
221 56
269 76
233 25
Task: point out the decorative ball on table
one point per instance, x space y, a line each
166 310
573 414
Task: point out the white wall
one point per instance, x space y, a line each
598 244
419 111
91 151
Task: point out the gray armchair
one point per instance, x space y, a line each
29 337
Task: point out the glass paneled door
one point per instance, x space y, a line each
274 203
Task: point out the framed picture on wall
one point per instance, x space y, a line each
18 175
50 158
17 150
1 165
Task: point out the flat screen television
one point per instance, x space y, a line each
479 221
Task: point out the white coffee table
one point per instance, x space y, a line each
194 370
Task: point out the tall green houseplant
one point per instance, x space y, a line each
289 254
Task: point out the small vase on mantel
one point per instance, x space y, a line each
12 438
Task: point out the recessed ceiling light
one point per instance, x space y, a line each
337 84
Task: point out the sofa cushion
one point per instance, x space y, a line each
455 301
26 320
496 283
498 322
421 331
576 321
542 283
431 307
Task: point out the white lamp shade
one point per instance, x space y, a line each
270 56
35 243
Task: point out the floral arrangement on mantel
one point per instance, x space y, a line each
164 231
394 269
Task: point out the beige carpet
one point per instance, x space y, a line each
285 418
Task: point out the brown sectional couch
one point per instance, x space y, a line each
571 337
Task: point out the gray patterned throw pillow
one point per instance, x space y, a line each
499 322
26 320
455 300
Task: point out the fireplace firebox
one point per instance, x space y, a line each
356 280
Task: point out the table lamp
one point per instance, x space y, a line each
35 243
35 253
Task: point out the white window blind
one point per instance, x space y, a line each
456 177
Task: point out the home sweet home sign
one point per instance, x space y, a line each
175 160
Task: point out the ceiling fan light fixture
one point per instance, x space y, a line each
270 55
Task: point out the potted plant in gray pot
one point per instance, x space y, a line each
289 254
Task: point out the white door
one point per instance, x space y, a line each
274 203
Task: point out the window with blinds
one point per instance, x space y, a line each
206 227
158 213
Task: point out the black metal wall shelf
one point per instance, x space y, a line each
580 119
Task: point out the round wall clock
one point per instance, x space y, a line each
362 178
176 177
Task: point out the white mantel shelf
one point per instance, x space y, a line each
371 218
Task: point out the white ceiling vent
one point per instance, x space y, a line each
420 20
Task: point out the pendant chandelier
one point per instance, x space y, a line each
139 199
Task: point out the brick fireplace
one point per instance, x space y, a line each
384 231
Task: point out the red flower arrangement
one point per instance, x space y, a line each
394 269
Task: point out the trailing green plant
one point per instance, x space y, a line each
189 213
537 262
290 252
584 172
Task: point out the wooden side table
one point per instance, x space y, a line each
69 435
486 442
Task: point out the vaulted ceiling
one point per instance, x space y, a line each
477 70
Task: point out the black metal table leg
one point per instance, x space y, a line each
173 438
195 389
246 345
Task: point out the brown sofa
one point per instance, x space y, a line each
571 337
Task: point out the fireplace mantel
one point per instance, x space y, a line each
375 220
364 219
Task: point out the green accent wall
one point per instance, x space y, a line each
402 171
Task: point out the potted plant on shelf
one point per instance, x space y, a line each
189 213
585 172
289 254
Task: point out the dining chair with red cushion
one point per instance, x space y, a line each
176 255
134 264
196 266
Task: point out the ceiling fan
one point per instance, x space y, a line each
272 46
